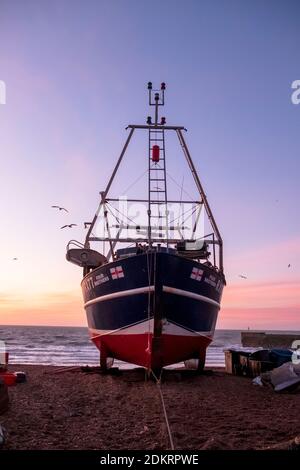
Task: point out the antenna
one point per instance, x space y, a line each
156 98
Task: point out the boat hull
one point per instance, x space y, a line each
152 309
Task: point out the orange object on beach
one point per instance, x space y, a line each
8 378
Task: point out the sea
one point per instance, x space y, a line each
51 345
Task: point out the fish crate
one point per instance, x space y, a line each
248 363
237 362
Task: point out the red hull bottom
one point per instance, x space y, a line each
149 352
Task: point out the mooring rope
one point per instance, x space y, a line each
158 383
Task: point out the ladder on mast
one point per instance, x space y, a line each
157 175
157 186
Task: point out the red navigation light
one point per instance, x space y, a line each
155 153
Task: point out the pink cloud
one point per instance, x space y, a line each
262 295
260 318
57 308
267 261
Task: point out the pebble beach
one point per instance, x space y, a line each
59 408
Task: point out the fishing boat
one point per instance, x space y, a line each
153 276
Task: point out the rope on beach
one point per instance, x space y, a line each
158 383
59 370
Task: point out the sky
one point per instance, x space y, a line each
75 74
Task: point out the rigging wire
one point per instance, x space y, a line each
180 204
110 210
179 186
181 190
192 209
135 181
193 212
126 217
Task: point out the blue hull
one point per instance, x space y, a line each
152 309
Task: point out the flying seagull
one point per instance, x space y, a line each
60 208
243 277
289 266
14 259
69 225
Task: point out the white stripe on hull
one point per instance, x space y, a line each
147 326
147 289
170 328
135 329
121 293
191 295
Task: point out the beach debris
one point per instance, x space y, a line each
216 444
2 436
74 414
8 378
69 226
266 379
292 444
60 208
285 377
12 378
257 381
145 429
20 377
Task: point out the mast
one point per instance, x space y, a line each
157 175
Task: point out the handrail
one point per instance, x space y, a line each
75 243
